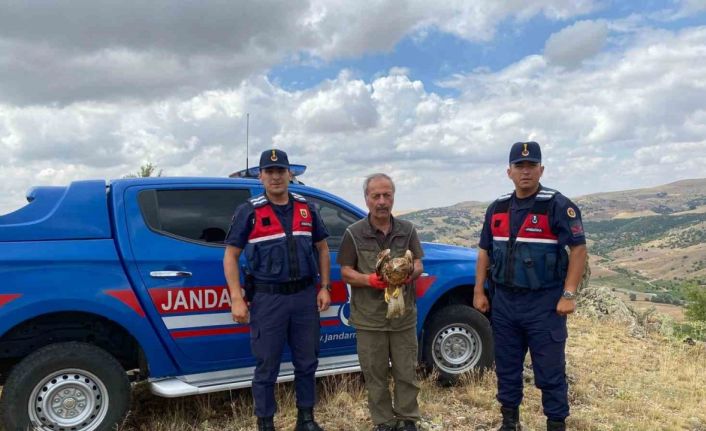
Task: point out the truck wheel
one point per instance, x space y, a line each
68 386
457 339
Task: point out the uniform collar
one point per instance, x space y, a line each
532 196
290 198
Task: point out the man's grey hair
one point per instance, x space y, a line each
371 177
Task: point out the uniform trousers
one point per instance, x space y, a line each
276 319
527 320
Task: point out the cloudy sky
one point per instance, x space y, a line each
431 92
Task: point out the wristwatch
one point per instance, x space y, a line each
327 287
568 295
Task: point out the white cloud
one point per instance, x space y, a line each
634 118
64 52
576 43
477 20
680 9
340 106
692 7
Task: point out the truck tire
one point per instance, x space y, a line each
457 339
65 386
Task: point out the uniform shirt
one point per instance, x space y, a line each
244 220
568 229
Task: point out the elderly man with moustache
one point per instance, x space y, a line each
382 341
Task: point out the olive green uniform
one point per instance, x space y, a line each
382 341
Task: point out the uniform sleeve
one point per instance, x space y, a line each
486 236
415 246
240 226
566 222
318 229
347 255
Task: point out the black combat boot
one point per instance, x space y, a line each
555 425
306 422
265 424
406 425
511 419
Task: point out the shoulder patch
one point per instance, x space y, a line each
546 194
571 212
258 201
576 228
298 197
504 197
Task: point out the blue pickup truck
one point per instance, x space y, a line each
105 284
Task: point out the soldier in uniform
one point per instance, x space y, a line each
284 241
383 341
523 250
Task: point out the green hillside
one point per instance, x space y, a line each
649 240
678 231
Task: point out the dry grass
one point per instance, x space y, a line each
676 312
667 263
616 383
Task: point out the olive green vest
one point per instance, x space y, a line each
368 306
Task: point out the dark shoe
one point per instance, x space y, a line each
265 424
383 427
555 426
306 422
406 426
511 419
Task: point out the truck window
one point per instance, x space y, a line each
195 215
336 220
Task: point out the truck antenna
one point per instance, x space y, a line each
247 143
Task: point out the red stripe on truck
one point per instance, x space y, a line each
206 332
127 297
8 297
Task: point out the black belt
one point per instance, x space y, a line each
521 289
287 288
515 289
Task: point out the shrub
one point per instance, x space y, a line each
695 330
633 297
665 298
696 303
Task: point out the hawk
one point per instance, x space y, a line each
394 271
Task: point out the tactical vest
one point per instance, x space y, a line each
533 259
275 255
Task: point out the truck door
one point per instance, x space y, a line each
176 238
337 336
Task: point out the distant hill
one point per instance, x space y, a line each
458 224
651 239
678 197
